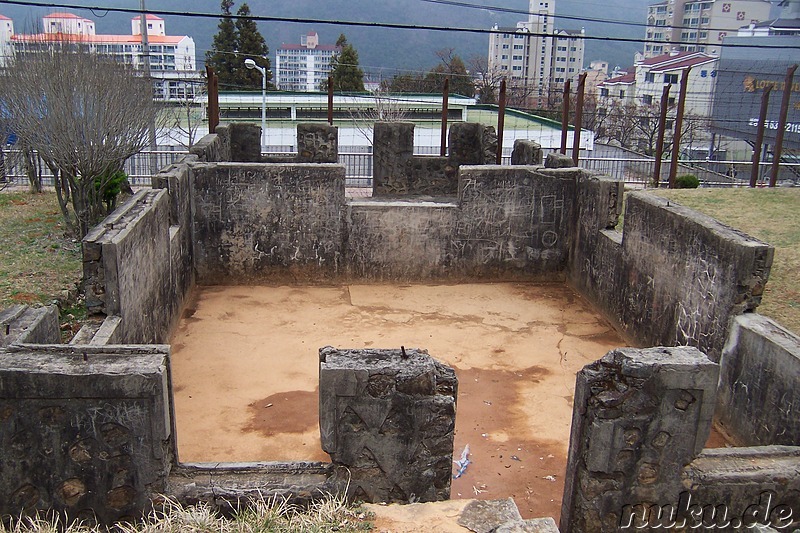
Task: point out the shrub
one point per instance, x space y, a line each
687 181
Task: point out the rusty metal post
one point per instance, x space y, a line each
676 137
445 102
501 119
213 100
761 126
565 117
778 149
330 100
662 129
576 140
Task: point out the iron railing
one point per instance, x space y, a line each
635 172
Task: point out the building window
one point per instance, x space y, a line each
650 77
603 92
647 99
670 78
505 47
621 93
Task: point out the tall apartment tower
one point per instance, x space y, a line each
698 25
534 56
304 66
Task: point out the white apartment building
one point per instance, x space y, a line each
698 25
305 66
172 58
536 56
645 85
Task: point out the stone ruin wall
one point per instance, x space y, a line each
502 223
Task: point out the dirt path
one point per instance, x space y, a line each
245 372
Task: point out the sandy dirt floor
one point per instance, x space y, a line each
245 372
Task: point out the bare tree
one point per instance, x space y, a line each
387 108
84 114
184 113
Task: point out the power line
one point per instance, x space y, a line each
565 17
388 25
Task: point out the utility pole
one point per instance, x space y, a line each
147 74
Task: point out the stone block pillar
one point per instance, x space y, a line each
392 148
389 420
526 153
317 143
245 142
472 144
639 417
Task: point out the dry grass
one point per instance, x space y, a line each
37 260
770 215
273 516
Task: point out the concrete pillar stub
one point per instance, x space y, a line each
526 153
390 421
317 143
392 148
639 417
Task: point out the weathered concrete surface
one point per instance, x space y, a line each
261 221
758 399
33 325
526 153
514 219
756 485
400 239
213 147
485 516
687 274
640 415
534 525
431 175
470 143
556 160
177 181
85 430
392 148
388 416
674 276
128 268
228 487
317 143
245 142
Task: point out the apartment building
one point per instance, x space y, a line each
172 57
698 25
305 66
534 55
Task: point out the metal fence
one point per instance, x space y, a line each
635 172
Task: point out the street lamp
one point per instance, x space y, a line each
250 64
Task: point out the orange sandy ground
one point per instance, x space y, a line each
245 372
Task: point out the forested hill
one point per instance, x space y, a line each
387 48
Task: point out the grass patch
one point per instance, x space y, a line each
38 261
274 516
770 215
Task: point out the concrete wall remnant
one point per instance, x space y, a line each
129 271
674 277
85 430
640 415
396 171
317 143
758 397
261 221
392 148
32 325
526 153
245 142
388 416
